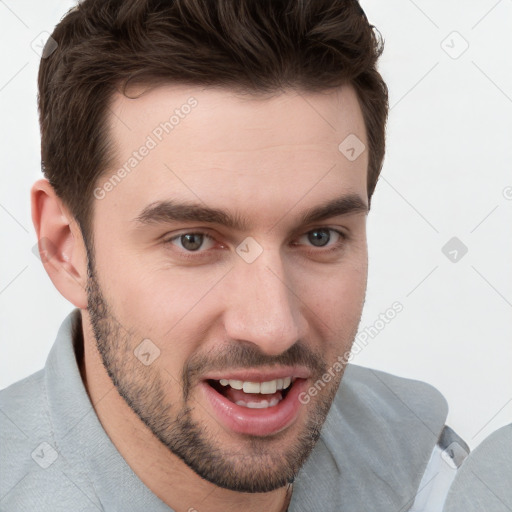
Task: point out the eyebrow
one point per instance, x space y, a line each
161 212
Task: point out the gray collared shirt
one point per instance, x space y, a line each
484 481
376 451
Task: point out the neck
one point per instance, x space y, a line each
165 474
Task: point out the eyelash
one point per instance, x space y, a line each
204 253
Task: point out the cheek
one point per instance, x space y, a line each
334 303
147 286
171 307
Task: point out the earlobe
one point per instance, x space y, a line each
61 244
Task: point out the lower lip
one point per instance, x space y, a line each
256 422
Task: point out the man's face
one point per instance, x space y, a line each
216 261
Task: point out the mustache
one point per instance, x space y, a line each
245 355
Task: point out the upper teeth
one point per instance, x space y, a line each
264 388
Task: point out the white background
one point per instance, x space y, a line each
446 174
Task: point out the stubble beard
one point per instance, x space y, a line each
257 465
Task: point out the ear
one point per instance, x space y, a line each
61 244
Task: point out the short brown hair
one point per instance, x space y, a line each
258 46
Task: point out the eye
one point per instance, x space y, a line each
192 242
322 237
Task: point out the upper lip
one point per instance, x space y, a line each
260 375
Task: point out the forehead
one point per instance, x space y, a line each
253 122
223 148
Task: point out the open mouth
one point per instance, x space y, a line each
253 395
257 406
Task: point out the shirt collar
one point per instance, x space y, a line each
99 470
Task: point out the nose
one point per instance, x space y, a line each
262 307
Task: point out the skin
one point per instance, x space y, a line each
268 160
